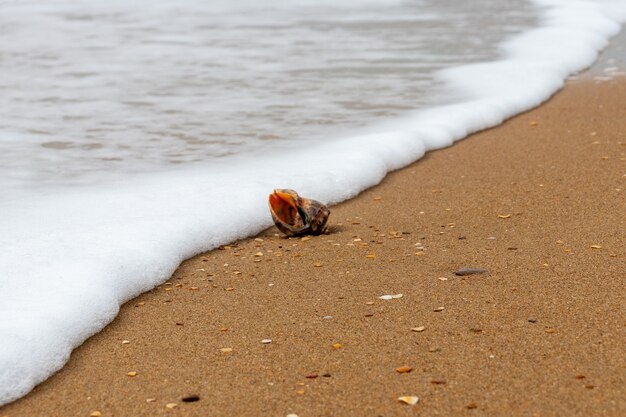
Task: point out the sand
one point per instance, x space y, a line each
538 202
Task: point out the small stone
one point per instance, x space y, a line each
438 382
326 375
292 415
317 264
226 350
171 405
471 406
125 342
504 216
337 345
300 392
191 398
266 341
150 400
596 247
438 309
95 414
404 369
550 330
442 279
409 399
311 376
580 376
469 271
132 373
418 329
369 303
370 256
258 254
327 317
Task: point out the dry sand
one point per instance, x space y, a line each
542 333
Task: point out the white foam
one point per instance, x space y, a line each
70 258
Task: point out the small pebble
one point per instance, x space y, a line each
469 271
337 345
266 341
404 369
191 398
125 342
150 400
95 414
327 317
418 329
171 405
438 309
132 373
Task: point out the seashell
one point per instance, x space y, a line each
295 215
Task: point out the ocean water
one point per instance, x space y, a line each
137 134
97 90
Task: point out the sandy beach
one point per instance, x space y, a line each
271 326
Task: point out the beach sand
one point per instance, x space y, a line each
538 202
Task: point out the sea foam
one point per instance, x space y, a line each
71 257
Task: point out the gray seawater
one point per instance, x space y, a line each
91 90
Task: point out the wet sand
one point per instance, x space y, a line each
538 202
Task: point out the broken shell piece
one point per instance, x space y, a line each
390 296
294 215
409 399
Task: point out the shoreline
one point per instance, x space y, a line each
539 333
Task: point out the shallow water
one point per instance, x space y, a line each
92 90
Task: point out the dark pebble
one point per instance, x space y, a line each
191 398
312 376
469 271
326 375
532 320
